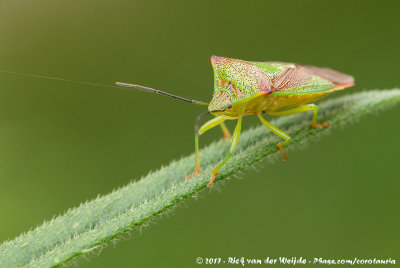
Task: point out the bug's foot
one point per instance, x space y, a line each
193 174
227 136
325 124
280 144
210 183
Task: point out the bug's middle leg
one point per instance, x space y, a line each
198 131
304 108
235 140
278 132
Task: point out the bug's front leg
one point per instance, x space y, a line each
226 132
278 132
235 140
198 131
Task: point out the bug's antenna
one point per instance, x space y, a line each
160 92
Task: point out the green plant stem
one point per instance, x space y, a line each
97 222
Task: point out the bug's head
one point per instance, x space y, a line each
221 101
225 89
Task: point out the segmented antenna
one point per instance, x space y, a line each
160 92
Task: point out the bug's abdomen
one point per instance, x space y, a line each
272 103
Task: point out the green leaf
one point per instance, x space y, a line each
97 222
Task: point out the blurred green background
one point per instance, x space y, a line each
64 143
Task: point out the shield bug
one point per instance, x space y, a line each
252 88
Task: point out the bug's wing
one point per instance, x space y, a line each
333 76
290 78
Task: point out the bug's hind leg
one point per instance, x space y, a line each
198 131
314 120
278 132
299 109
304 108
235 140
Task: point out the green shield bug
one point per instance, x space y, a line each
252 88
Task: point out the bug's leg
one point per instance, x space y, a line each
235 140
314 120
304 108
278 132
226 132
198 131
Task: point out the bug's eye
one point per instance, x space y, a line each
229 105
